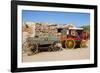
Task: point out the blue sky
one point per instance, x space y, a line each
77 19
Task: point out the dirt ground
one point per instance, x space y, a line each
65 54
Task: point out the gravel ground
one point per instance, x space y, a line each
65 54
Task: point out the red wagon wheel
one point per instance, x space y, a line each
83 44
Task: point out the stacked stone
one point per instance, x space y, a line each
45 30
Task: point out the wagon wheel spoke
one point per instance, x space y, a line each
50 49
57 46
34 48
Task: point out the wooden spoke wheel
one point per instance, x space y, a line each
30 48
70 44
83 44
34 48
57 46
